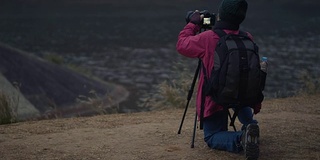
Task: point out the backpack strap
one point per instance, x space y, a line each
243 33
222 33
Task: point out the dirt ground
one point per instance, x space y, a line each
289 130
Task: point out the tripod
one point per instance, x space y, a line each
196 115
188 101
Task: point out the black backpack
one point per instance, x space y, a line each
236 79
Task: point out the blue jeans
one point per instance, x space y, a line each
216 133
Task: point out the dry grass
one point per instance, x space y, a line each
311 83
174 93
8 109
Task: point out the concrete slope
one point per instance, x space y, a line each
50 87
24 108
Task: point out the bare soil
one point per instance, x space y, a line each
289 130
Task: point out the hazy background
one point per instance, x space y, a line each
132 43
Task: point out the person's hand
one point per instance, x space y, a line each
257 108
195 17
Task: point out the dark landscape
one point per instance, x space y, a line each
132 43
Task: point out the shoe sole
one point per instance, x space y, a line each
252 142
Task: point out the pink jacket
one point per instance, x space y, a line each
193 45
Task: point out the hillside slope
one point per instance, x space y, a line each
52 88
25 109
289 130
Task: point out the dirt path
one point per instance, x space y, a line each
289 130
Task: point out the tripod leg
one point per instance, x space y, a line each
190 94
231 119
194 130
183 117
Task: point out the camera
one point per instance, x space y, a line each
208 20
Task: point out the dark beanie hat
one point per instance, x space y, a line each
233 11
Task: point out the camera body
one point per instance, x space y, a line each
209 19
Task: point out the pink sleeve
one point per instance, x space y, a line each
191 44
